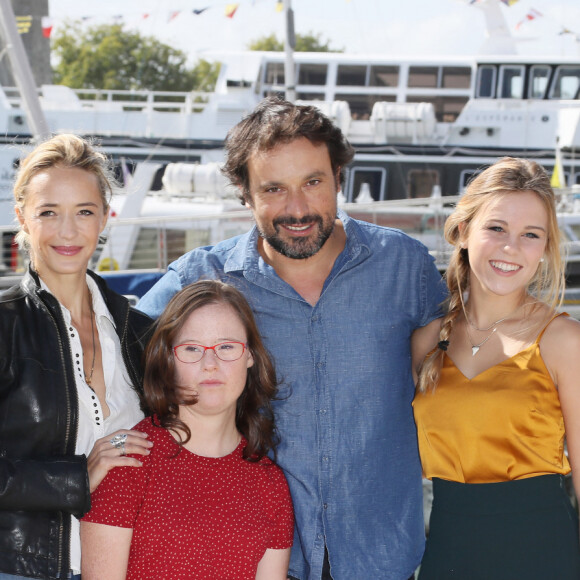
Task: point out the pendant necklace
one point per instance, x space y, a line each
493 327
475 347
88 379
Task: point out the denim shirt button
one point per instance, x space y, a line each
323 411
325 505
325 458
314 318
320 365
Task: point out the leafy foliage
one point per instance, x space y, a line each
108 57
309 42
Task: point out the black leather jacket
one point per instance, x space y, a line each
42 482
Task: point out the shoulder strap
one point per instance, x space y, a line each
548 324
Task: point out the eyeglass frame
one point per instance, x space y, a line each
206 348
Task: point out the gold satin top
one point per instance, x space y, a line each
504 424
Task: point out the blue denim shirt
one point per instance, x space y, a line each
348 440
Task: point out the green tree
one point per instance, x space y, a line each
108 57
309 42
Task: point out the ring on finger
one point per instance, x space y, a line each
123 450
118 440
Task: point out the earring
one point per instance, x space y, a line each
541 260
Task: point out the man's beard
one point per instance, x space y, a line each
298 248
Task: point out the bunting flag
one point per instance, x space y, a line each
531 15
46 23
509 2
565 31
198 11
146 15
23 23
173 15
279 6
231 10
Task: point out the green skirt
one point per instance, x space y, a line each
515 530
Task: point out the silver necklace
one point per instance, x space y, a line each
493 323
475 347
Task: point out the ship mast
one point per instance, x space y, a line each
289 45
22 72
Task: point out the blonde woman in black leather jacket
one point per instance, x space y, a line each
70 375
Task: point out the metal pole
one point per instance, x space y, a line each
22 72
289 45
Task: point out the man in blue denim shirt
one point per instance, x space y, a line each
337 301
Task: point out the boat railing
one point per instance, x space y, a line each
59 96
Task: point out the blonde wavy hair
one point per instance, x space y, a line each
507 176
68 151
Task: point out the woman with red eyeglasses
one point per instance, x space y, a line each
207 503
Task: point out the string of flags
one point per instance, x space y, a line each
24 23
531 14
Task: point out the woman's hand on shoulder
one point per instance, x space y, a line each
111 451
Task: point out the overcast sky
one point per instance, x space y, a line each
393 27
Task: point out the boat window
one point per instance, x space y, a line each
539 77
274 73
566 82
486 79
351 75
420 182
375 177
310 96
423 76
361 106
384 76
465 177
312 74
511 82
456 77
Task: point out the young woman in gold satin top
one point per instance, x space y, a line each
500 394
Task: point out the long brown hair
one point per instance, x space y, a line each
508 176
163 395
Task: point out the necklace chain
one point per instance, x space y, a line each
493 323
475 347
89 379
493 327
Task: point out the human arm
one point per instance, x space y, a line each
105 551
423 341
274 565
560 346
104 456
53 484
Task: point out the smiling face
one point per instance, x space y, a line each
293 197
63 216
506 242
217 384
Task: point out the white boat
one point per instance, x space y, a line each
419 126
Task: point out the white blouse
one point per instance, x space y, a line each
121 398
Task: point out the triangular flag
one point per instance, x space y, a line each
198 11
279 6
173 15
231 10
46 23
